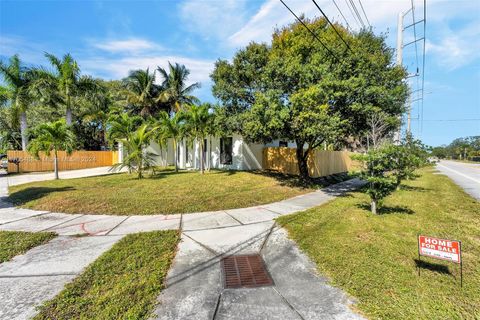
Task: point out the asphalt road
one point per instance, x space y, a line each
466 175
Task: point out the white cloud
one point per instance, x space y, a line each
212 18
117 68
270 15
132 45
456 49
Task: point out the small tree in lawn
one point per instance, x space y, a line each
138 158
52 137
377 173
406 158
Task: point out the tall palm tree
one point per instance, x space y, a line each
52 137
176 93
64 85
141 92
18 80
172 127
197 121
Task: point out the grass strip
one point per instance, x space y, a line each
13 243
123 283
374 258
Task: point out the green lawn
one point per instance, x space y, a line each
373 258
13 243
167 192
123 283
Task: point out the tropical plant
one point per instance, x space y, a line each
176 93
172 127
197 124
63 86
141 92
138 157
120 126
52 137
16 93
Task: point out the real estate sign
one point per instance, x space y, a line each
440 248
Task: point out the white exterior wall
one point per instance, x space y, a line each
276 143
244 156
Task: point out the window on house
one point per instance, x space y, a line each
226 150
283 143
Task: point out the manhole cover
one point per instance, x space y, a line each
245 271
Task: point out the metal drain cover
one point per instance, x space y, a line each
245 271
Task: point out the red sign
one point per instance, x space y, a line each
440 248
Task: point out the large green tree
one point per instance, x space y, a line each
296 88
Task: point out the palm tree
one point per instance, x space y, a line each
52 136
172 127
197 121
141 92
64 85
120 126
176 93
138 158
18 80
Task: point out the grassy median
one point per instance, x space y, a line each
123 283
13 243
167 192
374 258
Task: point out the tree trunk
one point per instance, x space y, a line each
202 160
23 130
210 154
175 155
302 157
373 206
68 117
55 164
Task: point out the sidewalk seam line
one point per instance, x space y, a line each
58 224
233 217
288 303
106 234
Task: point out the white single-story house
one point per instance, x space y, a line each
230 153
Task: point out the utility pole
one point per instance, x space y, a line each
397 135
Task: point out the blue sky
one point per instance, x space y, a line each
108 38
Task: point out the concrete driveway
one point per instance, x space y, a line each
466 175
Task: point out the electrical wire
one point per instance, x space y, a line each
341 13
361 6
333 26
313 33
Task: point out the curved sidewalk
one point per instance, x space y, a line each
20 219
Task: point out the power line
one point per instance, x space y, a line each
313 33
341 13
353 14
333 26
451 120
354 6
361 5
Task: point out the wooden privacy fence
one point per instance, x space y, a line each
76 160
320 162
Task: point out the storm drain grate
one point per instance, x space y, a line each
245 271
